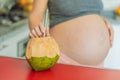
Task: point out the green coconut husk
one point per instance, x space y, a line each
42 63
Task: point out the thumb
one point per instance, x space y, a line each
47 31
42 28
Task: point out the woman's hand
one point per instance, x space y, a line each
35 17
39 31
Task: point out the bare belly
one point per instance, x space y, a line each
84 39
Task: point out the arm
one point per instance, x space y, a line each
36 17
110 30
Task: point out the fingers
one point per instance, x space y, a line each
38 31
31 35
111 33
110 30
35 33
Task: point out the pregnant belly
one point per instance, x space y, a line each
84 39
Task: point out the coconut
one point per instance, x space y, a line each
42 53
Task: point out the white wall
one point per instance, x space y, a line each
110 4
112 61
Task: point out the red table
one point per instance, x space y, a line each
18 69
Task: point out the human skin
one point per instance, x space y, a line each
83 40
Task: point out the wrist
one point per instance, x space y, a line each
34 21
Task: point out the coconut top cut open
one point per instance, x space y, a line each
42 47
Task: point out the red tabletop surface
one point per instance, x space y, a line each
19 69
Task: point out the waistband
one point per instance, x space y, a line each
56 19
